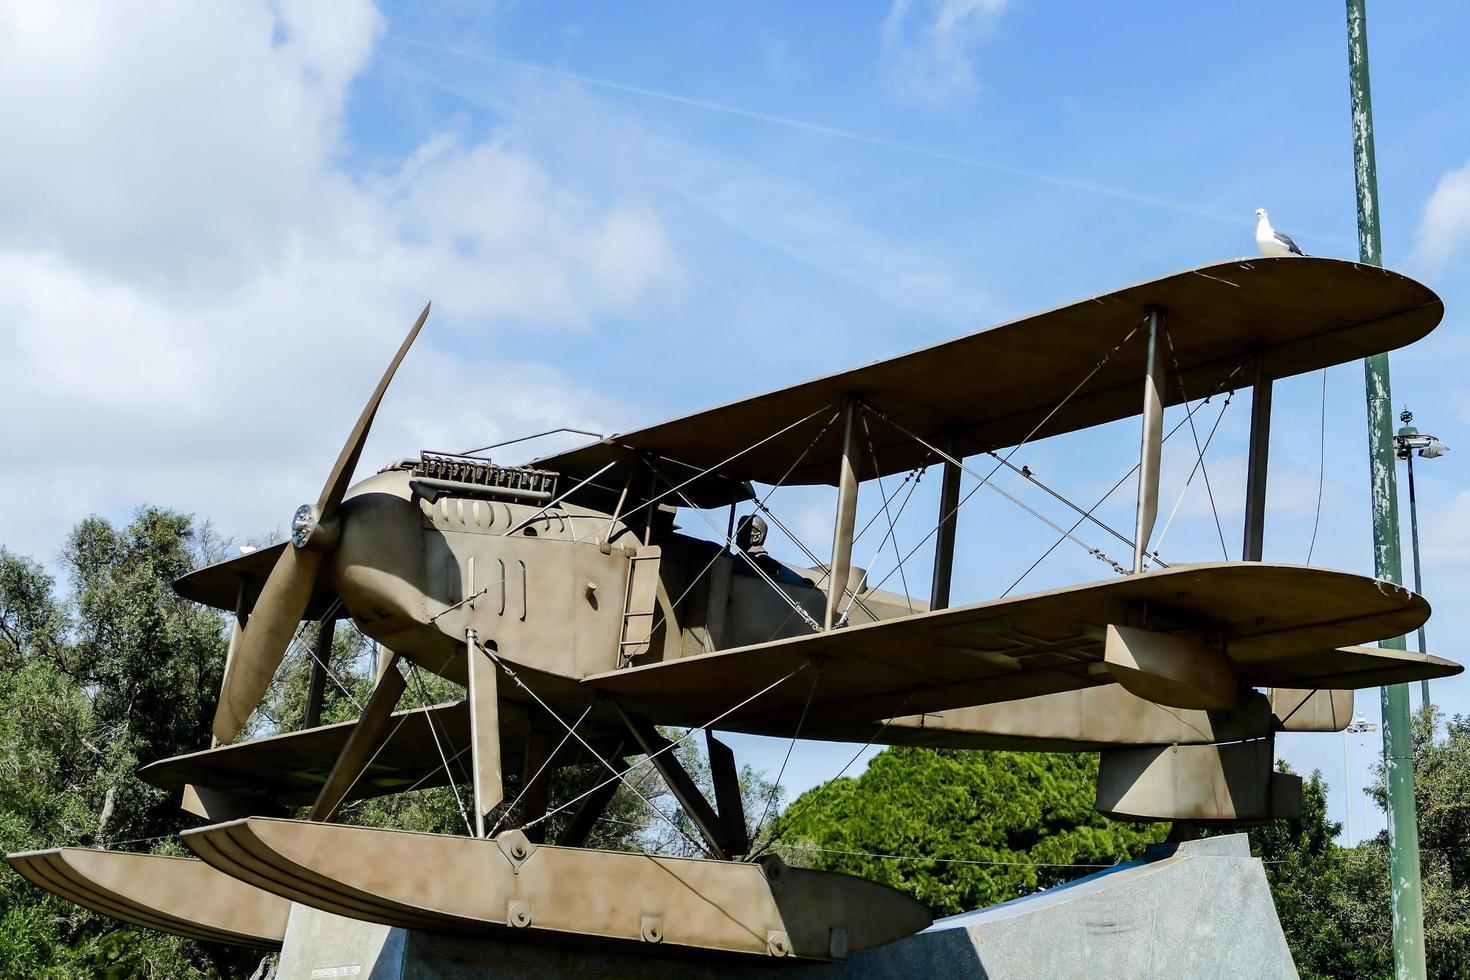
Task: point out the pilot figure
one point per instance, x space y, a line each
750 538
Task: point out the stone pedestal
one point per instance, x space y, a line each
1201 909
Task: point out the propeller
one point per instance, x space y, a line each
287 591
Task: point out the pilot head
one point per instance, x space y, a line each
750 534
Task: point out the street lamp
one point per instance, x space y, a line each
1360 726
1406 444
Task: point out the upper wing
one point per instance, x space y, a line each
1275 617
993 388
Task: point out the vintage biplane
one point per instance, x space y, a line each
578 618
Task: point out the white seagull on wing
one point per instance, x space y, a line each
1270 241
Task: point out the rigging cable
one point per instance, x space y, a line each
413 673
1321 466
529 780
892 534
760 503
624 776
1100 501
847 609
1015 449
1198 464
475 644
1025 471
795 735
776 834
1179 378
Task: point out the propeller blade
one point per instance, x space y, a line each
287 592
341 476
267 635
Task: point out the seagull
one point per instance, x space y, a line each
1270 241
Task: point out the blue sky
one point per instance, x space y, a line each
220 220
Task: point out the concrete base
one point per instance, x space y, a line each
1201 909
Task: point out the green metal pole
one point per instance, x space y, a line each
1398 748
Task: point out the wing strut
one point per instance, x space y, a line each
1152 443
318 690
484 731
593 804
362 745
949 505
681 784
847 492
1255 479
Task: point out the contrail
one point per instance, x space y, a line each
913 149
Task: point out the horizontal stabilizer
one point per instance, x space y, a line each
177 895
1352 668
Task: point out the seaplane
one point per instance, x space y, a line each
583 624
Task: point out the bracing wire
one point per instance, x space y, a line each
760 503
624 776
814 798
1198 465
1199 450
760 824
531 779
1014 449
413 673
1100 501
475 644
892 535
1321 467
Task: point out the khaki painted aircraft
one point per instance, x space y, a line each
579 620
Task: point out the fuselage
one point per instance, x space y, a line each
564 591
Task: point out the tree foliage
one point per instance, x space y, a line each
1334 901
964 829
117 672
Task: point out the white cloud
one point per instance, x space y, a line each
197 295
1446 538
928 44
1445 226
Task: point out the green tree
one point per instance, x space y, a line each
1332 901
118 670
1442 798
962 829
